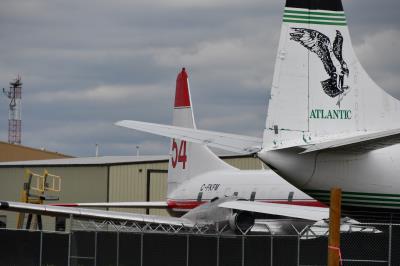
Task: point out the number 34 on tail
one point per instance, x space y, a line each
178 155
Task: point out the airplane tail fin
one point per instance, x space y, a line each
188 159
319 87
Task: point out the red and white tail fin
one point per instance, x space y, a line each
319 88
188 159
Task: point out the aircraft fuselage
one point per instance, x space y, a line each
369 180
254 185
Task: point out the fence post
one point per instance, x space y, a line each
117 248
334 227
272 250
41 247
187 249
298 249
141 249
95 248
243 236
69 239
390 245
218 249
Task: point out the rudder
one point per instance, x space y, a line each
319 87
188 159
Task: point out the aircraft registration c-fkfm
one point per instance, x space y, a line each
328 124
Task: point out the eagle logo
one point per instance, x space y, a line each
331 57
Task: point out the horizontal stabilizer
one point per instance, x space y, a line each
294 211
145 204
359 143
225 141
82 213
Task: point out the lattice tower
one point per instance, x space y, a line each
14 117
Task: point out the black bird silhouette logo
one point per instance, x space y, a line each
320 44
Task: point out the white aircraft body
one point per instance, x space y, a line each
328 124
211 191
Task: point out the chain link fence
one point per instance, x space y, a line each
109 245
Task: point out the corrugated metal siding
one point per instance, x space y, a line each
246 163
129 182
11 183
11 180
158 190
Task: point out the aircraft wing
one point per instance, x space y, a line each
92 214
145 204
359 143
295 211
225 141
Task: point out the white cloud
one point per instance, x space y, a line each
101 94
378 54
380 49
244 60
246 121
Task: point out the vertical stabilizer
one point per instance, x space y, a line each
319 87
188 159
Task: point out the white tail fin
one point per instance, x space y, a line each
319 87
188 159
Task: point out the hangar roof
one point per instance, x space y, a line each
16 152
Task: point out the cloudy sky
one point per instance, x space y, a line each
87 64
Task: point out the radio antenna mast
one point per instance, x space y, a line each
14 113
